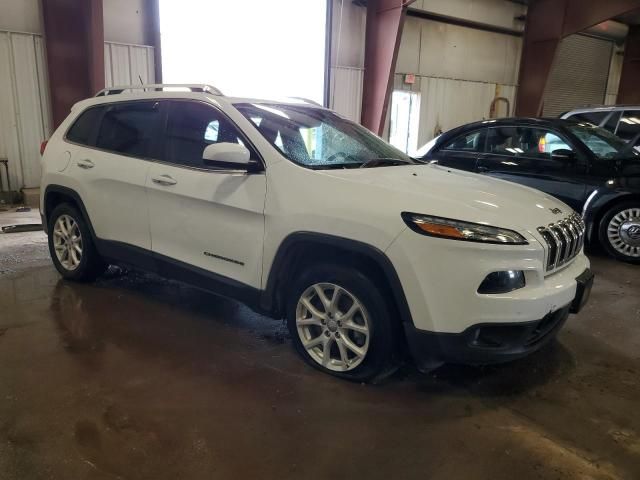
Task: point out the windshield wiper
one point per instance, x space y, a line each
377 162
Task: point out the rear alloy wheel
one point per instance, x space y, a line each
340 322
71 245
67 242
333 327
620 232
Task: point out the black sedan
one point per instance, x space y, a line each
585 166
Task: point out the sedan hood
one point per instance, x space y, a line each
445 192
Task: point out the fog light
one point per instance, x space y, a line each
502 282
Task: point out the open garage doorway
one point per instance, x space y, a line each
251 48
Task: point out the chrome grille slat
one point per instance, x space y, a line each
564 240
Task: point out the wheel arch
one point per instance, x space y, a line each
57 194
599 210
303 248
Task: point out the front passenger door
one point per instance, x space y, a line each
462 152
205 217
524 155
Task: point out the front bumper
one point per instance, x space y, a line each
483 344
490 343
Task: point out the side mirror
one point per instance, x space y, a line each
228 155
563 155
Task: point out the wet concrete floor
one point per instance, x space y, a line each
136 377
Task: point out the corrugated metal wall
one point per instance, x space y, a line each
25 114
127 64
447 103
459 71
579 75
346 91
25 109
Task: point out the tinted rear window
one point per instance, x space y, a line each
128 128
80 132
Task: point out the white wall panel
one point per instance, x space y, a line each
20 16
501 13
126 64
346 88
437 49
348 34
447 103
124 21
24 106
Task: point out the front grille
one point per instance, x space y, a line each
564 240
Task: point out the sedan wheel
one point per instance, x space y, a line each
333 327
623 232
67 242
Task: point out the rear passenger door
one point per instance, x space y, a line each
205 217
461 152
111 160
523 154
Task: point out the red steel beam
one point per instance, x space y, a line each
74 37
629 90
548 22
385 20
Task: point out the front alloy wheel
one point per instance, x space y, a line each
67 242
333 327
623 232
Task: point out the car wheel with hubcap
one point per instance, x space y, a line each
340 323
620 232
71 246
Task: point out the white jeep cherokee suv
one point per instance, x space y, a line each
304 215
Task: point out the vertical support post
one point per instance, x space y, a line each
74 39
152 35
385 20
541 39
629 89
548 22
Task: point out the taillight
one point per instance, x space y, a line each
43 146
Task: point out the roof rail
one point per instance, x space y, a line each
159 87
306 100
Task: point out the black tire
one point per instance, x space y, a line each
633 256
91 265
381 359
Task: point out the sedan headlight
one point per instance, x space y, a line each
459 230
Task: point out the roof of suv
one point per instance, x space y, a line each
600 108
137 92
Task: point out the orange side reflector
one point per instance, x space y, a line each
440 230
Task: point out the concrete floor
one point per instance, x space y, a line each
136 377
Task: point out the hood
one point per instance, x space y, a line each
446 192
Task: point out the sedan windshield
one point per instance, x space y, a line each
320 139
602 143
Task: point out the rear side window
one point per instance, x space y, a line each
629 125
81 131
470 142
592 117
128 128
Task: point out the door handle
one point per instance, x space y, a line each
86 164
164 180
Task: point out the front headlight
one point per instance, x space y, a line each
458 230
